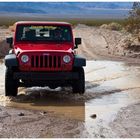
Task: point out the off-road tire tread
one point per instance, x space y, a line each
78 86
11 87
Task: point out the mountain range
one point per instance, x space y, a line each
66 8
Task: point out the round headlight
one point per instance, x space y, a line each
66 58
24 58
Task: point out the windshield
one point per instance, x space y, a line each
43 33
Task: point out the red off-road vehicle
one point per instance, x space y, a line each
42 54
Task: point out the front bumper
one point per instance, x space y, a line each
49 76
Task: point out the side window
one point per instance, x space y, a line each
66 34
19 33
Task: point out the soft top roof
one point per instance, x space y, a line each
42 22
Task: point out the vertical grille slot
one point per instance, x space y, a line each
46 61
54 60
32 61
41 61
59 61
50 61
36 61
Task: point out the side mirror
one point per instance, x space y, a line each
78 41
9 40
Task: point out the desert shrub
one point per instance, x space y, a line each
4 48
112 26
115 26
133 21
104 26
3 27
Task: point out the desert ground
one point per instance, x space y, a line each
108 109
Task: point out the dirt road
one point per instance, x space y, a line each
107 44
109 107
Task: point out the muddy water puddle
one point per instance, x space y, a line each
109 87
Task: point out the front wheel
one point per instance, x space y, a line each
11 85
78 86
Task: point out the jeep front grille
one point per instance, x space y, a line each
45 61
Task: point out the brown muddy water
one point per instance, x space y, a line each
109 87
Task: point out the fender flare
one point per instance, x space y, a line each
11 60
79 61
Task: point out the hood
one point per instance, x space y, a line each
39 47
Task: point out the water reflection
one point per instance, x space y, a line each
58 102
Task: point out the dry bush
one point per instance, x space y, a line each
112 26
4 48
133 21
133 25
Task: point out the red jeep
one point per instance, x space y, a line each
42 54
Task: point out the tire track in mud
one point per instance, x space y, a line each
95 69
109 78
107 92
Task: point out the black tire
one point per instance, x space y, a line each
11 85
78 86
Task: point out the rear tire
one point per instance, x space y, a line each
11 85
78 86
